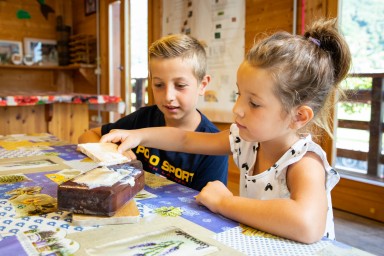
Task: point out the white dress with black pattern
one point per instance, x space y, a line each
272 183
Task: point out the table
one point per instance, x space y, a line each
167 210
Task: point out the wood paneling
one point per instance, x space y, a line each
85 83
13 28
16 80
359 198
265 17
22 119
87 25
155 15
69 121
83 24
104 61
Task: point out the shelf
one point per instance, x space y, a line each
35 67
11 99
44 78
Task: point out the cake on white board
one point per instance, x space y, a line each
104 153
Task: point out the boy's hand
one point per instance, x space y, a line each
128 138
130 155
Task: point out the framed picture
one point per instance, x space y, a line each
43 51
9 48
89 7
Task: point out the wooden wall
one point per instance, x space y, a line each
264 16
23 119
63 120
360 198
83 24
13 28
37 26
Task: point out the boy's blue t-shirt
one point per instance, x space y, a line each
191 170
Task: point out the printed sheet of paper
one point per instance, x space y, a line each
221 25
111 237
168 241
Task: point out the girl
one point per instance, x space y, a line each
285 83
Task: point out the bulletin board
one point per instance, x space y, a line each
221 25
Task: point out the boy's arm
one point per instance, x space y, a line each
171 139
92 135
209 169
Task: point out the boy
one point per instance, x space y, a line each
177 70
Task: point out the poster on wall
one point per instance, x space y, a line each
221 25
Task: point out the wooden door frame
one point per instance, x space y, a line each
104 52
155 14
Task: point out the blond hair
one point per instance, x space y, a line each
181 46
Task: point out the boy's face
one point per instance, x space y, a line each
175 89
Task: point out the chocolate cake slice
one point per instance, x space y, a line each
103 190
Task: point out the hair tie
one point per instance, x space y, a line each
314 40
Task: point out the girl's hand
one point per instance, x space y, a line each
212 195
128 138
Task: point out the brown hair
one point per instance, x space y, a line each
306 69
183 46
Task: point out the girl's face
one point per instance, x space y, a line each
258 112
175 89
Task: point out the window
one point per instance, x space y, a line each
139 53
359 132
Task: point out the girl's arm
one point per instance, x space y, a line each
171 139
301 217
